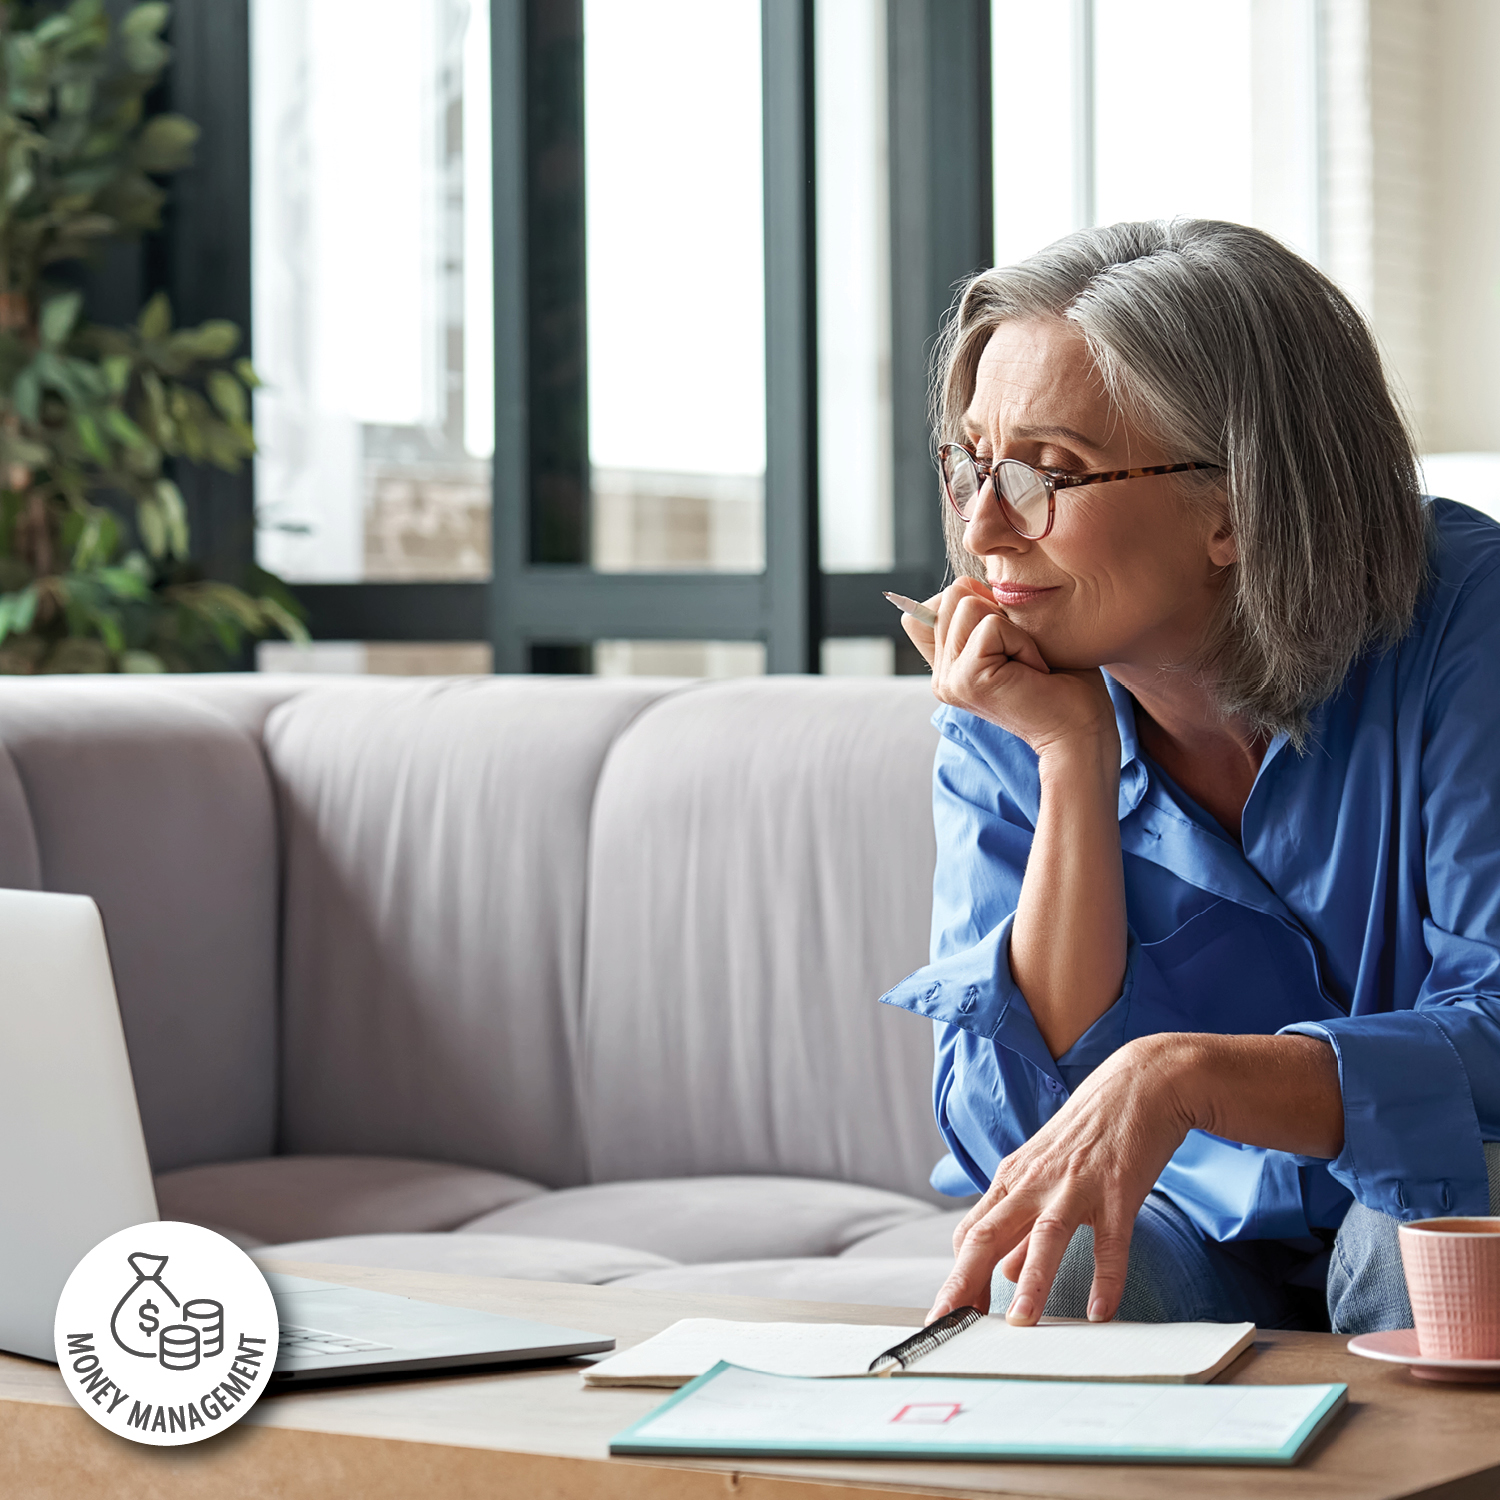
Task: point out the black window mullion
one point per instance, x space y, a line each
941 232
202 256
510 483
792 598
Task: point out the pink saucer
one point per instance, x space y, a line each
1399 1346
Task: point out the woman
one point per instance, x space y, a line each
1216 928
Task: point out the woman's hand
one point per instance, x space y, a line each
1093 1163
983 662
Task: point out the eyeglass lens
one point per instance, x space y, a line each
1022 490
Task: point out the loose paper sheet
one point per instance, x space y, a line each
749 1411
1057 1349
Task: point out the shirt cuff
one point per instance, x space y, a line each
1411 1140
950 1178
973 989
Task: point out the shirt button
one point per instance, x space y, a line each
1054 1085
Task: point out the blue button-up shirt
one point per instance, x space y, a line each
1362 907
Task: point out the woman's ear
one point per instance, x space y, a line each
1223 548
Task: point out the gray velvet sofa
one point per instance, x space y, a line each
569 979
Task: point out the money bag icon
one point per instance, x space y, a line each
142 1310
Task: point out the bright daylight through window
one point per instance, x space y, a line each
373 325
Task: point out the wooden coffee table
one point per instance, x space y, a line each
537 1434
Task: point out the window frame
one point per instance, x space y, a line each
544 605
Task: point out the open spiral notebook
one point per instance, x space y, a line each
1056 1349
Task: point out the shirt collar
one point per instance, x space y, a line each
1170 836
1133 776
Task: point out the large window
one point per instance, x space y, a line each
676 276
373 312
661 278
1154 109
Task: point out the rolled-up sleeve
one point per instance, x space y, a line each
995 1083
1412 1147
1421 1085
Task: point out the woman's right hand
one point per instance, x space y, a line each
984 662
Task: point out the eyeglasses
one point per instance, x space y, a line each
1028 497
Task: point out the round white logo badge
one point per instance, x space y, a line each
166 1333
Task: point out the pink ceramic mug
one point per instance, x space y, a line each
1453 1275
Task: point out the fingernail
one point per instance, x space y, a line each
938 1310
1021 1307
1096 1311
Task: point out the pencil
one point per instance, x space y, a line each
918 612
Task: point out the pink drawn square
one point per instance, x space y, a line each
933 1413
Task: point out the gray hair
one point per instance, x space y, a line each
1231 350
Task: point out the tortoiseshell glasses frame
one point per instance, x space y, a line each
1023 491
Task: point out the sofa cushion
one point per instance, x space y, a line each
761 871
160 808
931 1235
710 1218
526 1257
910 1283
311 1197
436 837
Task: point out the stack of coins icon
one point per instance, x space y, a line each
207 1316
180 1346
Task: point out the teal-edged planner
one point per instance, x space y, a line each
735 1413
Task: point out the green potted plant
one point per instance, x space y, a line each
96 569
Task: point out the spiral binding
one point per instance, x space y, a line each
933 1336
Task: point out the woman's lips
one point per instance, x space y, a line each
1013 595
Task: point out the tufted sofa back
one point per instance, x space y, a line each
761 870
572 929
156 802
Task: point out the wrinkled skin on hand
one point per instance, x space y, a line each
985 663
1093 1163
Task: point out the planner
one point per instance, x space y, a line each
734 1413
1056 1349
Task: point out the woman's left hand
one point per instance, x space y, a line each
1094 1162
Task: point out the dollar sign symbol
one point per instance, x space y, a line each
149 1321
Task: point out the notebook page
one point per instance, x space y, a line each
743 1411
690 1347
1062 1349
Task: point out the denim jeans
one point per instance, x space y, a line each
1352 1285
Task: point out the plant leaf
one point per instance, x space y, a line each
88 434
174 513
228 395
58 316
155 321
27 395
116 368
152 525
166 144
286 622
120 426
216 339
145 20
17 611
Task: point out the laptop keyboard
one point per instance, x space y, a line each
295 1339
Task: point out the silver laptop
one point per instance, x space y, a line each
73 1170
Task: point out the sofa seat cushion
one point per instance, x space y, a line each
932 1235
279 1198
694 1219
526 1257
911 1282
